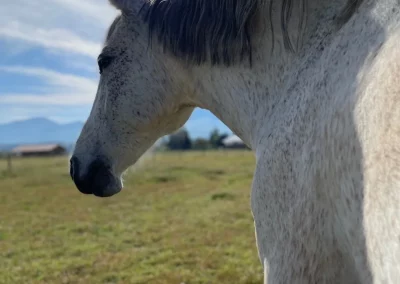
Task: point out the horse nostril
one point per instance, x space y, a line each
74 168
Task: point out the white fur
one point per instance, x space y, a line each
324 124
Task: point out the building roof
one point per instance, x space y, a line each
36 148
232 140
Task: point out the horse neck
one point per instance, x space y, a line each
245 97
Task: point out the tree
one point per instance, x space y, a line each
201 144
179 140
221 138
216 138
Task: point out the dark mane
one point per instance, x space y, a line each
216 30
203 29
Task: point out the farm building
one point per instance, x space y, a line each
233 142
39 150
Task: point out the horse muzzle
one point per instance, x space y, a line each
97 179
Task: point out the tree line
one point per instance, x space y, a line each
180 141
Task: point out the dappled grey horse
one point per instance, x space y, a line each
312 86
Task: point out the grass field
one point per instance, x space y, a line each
181 218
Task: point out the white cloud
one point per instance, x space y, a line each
87 66
100 11
53 77
61 88
58 39
53 99
76 26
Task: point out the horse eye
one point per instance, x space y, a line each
103 62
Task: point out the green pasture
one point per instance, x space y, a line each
181 218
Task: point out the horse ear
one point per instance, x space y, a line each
123 5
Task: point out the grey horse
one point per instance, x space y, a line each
311 86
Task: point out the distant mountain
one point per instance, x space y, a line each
43 130
38 130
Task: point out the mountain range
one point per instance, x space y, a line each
38 130
42 130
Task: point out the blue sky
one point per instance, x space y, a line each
48 65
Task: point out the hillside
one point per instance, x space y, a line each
38 130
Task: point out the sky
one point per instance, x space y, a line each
48 61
